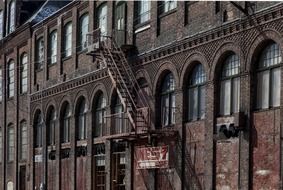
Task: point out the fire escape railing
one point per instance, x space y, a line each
123 78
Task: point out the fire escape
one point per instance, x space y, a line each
111 56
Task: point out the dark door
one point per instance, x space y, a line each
22 182
120 23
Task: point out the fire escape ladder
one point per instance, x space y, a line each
123 78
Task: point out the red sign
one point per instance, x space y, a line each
152 157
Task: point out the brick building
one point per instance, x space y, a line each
86 85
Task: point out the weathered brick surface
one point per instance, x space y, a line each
192 33
266 150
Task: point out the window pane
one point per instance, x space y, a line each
270 56
11 144
236 95
12 17
53 46
144 11
1 24
173 108
202 102
165 110
231 66
225 97
83 31
193 103
263 89
276 86
102 20
11 79
68 40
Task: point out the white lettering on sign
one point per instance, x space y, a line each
152 157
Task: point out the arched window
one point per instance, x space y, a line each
38 125
53 47
100 112
11 79
39 53
197 93
230 86
102 19
1 24
65 124
23 140
12 16
51 120
119 125
11 143
84 22
168 100
10 185
68 40
24 73
268 77
81 120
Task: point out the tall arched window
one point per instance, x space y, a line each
65 124
168 100
100 112
230 86
197 93
24 73
38 125
12 16
102 19
53 47
68 40
39 53
11 79
23 140
268 77
1 24
51 120
81 120
11 143
119 125
84 22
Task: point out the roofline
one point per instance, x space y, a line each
72 3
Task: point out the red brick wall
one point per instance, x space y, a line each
266 150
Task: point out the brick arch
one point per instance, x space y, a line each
190 63
65 99
142 73
79 95
162 71
221 54
259 43
99 88
36 111
48 106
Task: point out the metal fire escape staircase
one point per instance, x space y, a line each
123 78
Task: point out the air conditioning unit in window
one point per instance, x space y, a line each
229 127
81 151
52 155
65 153
226 131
